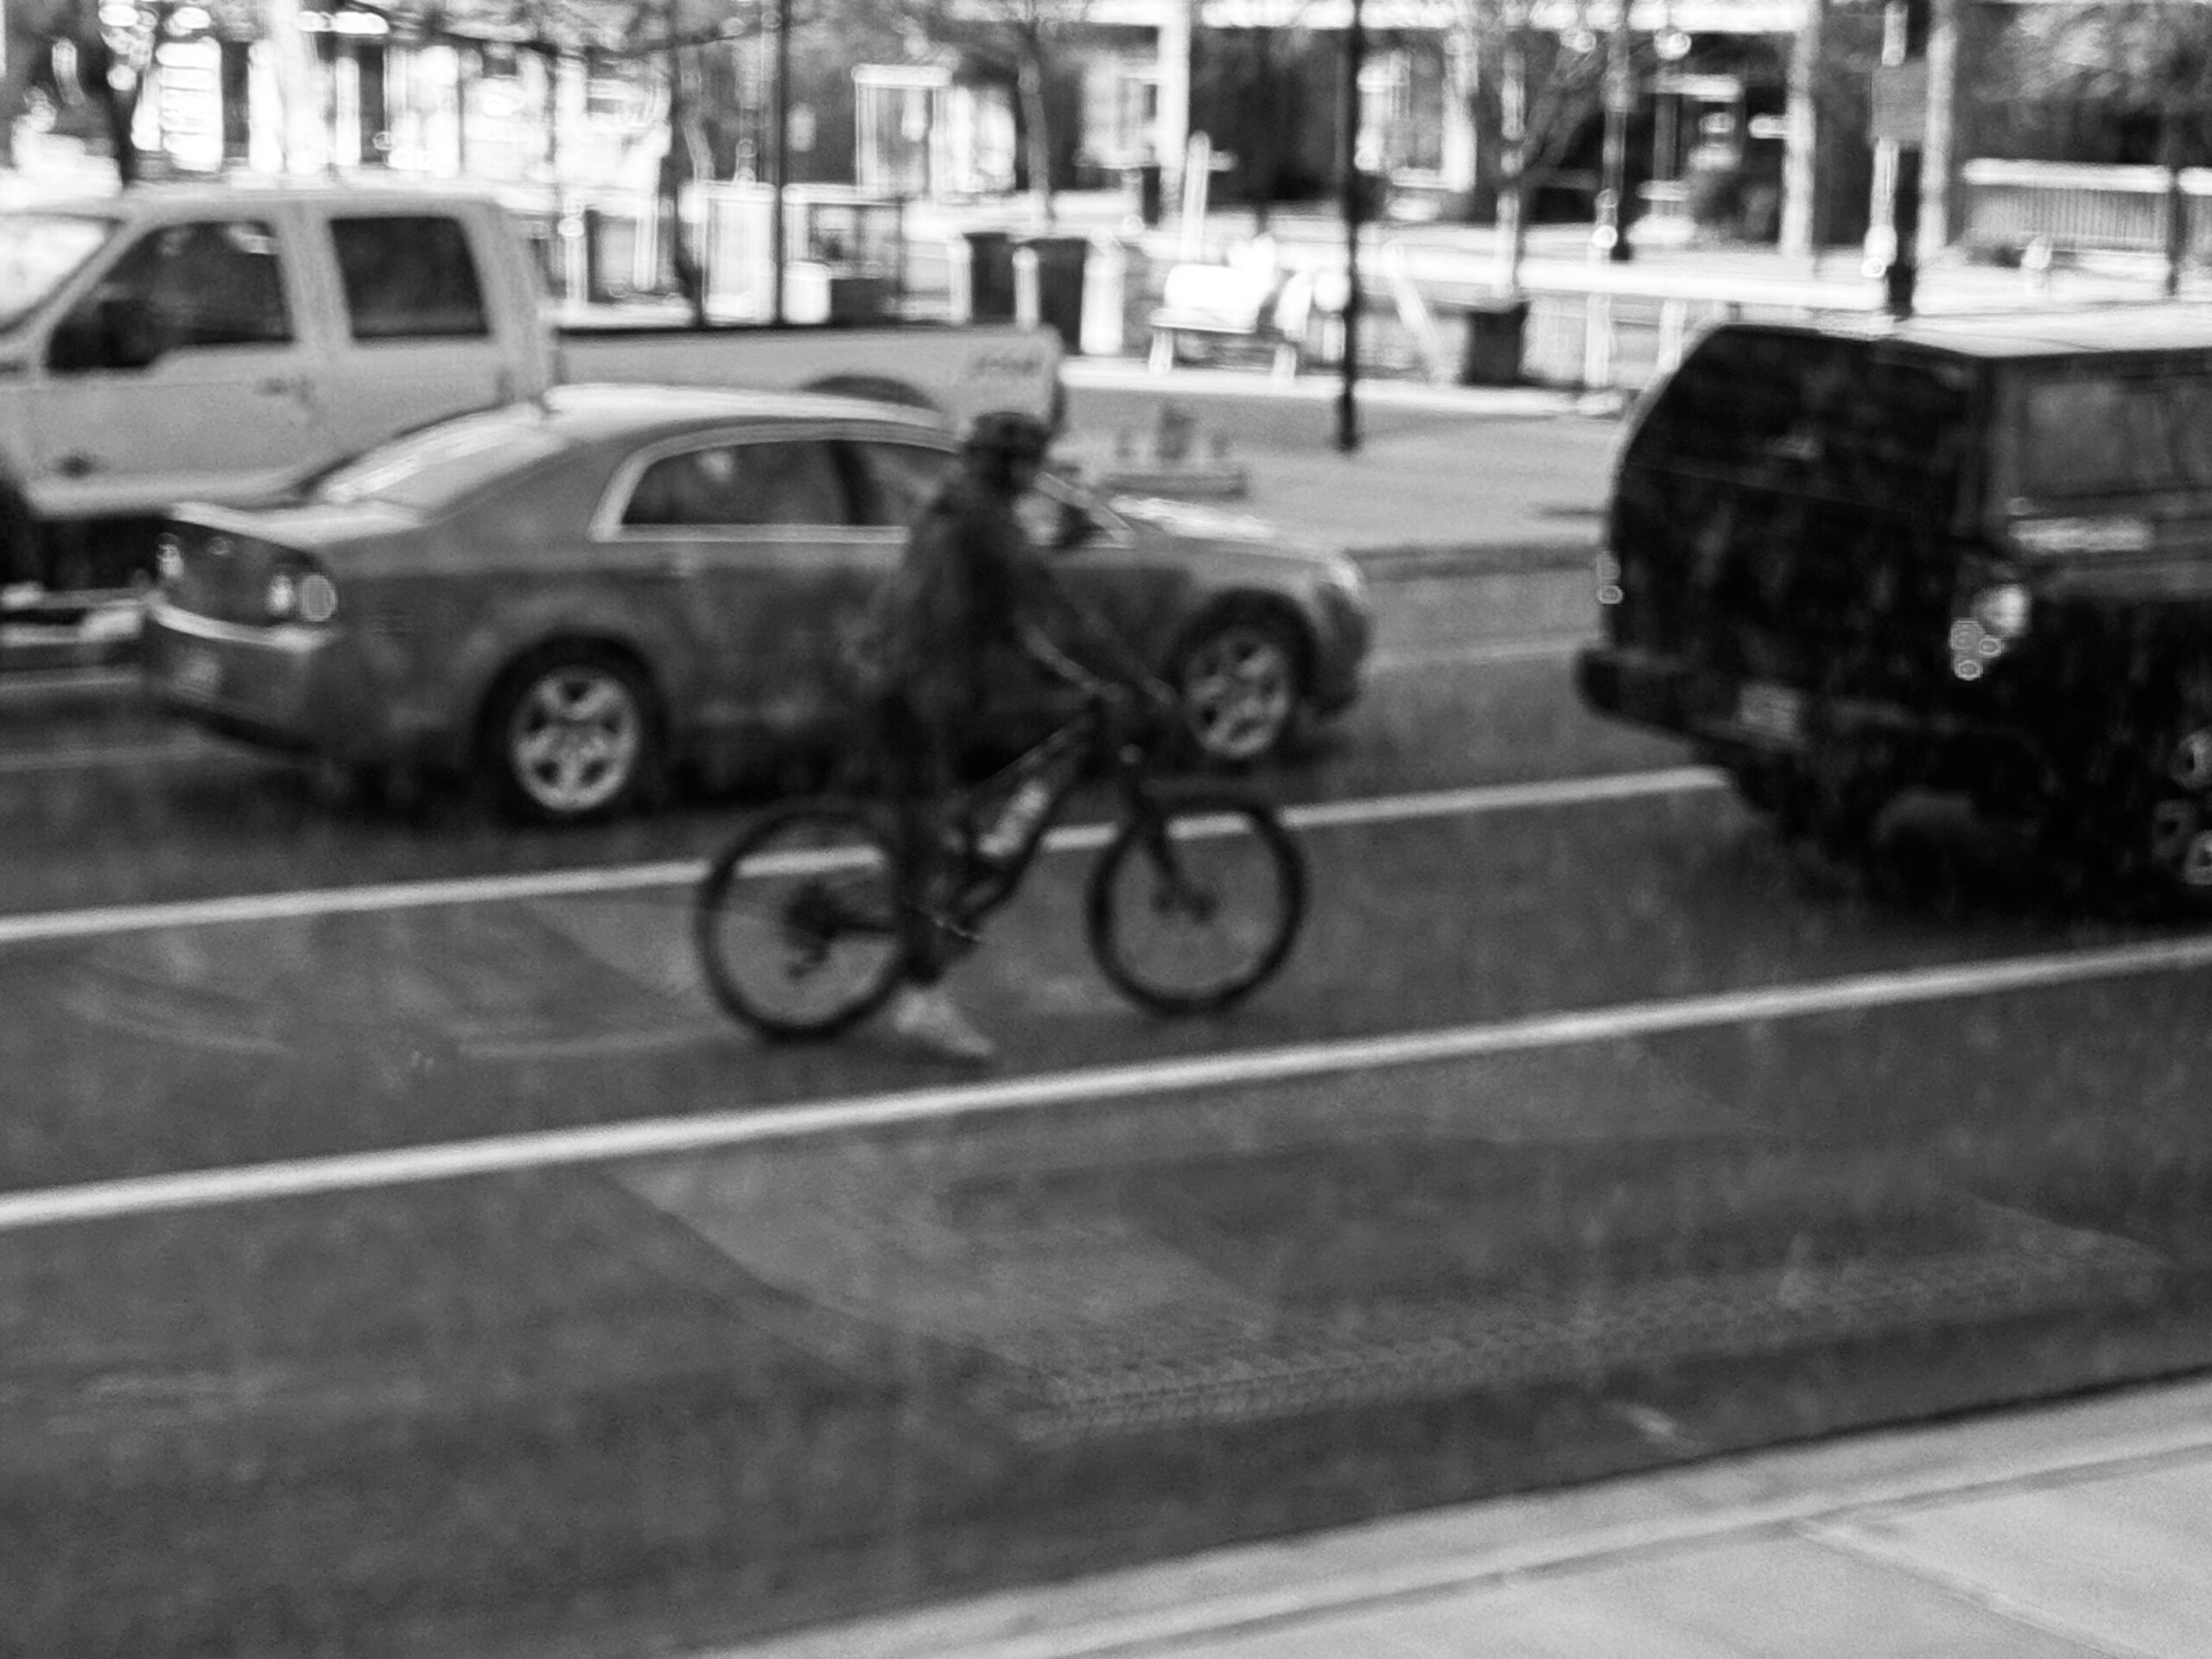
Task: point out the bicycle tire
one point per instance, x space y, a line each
770 915
1214 832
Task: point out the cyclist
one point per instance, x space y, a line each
971 587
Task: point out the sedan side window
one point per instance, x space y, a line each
741 484
898 480
211 283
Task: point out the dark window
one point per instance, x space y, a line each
208 283
1841 419
741 484
2090 432
409 278
898 480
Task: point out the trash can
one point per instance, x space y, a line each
1150 192
1059 284
1496 330
990 276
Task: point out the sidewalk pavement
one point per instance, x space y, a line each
2057 1532
1427 490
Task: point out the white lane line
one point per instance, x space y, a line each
721 1131
1478 654
36 683
117 754
102 922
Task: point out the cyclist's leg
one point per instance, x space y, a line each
916 782
918 770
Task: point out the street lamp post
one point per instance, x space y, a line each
782 102
1355 206
1610 237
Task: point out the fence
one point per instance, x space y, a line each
2010 206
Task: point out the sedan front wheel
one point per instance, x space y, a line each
1243 691
572 737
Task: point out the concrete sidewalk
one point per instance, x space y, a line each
1432 486
2063 1531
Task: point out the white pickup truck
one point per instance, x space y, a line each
204 342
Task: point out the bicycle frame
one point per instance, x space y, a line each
1059 759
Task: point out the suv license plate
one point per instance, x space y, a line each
1774 712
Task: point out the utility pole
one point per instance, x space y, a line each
1355 209
780 173
1900 132
1610 237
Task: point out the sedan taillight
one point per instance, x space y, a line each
296 591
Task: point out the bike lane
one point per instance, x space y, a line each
828 1369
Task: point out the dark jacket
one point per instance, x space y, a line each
970 586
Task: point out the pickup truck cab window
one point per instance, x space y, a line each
179 371
729 485
40 251
409 278
203 283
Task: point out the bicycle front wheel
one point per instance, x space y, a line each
1196 901
797 921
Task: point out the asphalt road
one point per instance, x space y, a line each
398 1254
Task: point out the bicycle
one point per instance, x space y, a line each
795 920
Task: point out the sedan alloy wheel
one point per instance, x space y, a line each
575 734
1240 688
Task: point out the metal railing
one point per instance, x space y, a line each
2078 207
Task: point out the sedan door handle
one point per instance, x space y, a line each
280 386
77 465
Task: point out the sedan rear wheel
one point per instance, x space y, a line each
1241 689
573 735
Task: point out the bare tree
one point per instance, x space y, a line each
112 58
1028 39
2150 58
1536 88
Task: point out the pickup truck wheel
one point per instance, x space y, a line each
876 389
572 735
20 557
1244 685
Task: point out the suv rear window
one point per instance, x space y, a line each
2089 431
1845 419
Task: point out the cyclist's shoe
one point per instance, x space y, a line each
926 1017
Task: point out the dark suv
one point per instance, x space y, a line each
1959 554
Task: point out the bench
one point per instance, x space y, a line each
1245 302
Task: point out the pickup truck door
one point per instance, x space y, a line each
422 332
182 369
748 536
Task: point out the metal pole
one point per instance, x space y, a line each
780 173
1355 205
1611 236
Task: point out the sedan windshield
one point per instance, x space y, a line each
441 466
39 253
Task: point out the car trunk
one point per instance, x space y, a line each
1817 494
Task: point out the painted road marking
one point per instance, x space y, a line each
1481 654
102 922
115 754
721 1131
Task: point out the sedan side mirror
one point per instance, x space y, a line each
1075 527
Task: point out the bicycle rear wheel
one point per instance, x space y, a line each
1196 901
796 920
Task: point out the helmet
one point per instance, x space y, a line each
1010 434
